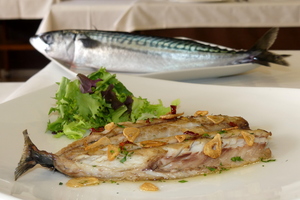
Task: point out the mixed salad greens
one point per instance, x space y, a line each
95 100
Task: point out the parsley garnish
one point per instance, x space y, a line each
182 181
237 158
221 132
126 154
211 168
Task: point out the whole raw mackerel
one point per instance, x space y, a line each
120 51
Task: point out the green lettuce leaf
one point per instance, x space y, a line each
94 101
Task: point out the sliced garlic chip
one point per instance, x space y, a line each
104 141
151 143
131 133
83 181
171 116
110 126
180 138
213 148
200 113
148 187
249 138
216 119
112 152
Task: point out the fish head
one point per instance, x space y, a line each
56 45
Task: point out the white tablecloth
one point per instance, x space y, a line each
130 15
24 9
274 76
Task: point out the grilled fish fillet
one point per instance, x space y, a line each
152 150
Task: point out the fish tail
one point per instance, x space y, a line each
32 156
260 53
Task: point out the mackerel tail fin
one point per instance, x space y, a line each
261 47
31 157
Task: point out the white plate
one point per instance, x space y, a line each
273 109
187 74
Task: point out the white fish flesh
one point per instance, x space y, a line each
126 52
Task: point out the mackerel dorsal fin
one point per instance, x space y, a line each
266 41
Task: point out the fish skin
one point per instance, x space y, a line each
169 161
127 52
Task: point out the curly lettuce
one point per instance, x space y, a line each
93 101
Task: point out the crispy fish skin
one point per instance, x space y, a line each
120 51
178 152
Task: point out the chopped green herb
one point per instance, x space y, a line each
121 126
111 181
223 169
211 168
123 159
60 183
222 132
205 135
111 151
271 160
126 154
94 165
182 181
237 158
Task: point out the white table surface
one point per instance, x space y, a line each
274 76
130 15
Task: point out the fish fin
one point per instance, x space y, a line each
32 156
89 43
261 47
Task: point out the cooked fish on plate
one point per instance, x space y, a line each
171 147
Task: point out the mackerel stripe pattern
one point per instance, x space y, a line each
121 38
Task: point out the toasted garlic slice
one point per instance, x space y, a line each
249 138
104 141
170 116
201 113
131 133
180 138
230 128
213 148
148 187
112 152
110 126
216 119
152 143
82 181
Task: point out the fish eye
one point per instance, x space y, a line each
47 38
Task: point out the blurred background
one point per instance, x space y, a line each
19 60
